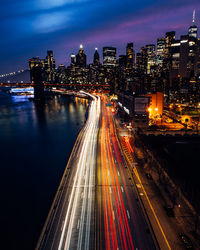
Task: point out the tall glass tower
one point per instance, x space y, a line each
192 32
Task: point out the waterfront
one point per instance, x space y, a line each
35 145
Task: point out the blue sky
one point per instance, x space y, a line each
30 27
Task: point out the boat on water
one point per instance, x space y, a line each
27 91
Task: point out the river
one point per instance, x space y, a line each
35 144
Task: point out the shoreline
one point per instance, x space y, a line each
65 176
50 133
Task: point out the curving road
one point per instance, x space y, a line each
96 206
71 220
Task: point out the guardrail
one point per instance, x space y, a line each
171 133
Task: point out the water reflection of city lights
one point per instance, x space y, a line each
21 98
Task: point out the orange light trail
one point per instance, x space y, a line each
108 169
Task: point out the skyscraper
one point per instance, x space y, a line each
36 74
174 59
138 61
184 51
129 56
35 62
192 32
109 56
50 67
73 60
141 60
193 48
169 37
150 48
122 61
160 51
96 59
197 60
81 58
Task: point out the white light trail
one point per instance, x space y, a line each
85 168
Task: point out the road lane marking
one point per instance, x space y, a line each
128 214
155 216
78 224
62 226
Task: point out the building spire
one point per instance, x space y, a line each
193 18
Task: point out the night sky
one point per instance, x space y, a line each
30 27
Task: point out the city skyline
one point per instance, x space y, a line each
142 26
100 124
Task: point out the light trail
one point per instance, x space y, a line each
109 167
85 170
122 223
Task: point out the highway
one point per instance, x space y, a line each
120 222
96 205
71 220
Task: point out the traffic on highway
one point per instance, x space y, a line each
120 220
96 205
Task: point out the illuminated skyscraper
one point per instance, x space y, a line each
129 56
193 44
197 60
96 59
174 58
169 37
37 76
81 58
109 56
192 32
141 60
160 51
138 61
150 48
50 67
73 60
35 62
183 54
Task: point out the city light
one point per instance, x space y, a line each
131 178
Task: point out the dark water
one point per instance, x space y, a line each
35 144
180 155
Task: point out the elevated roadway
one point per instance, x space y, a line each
70 223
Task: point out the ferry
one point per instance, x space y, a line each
27 91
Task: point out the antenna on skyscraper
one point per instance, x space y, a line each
193 18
